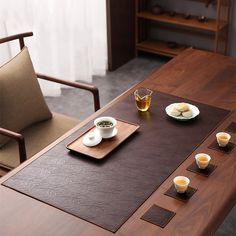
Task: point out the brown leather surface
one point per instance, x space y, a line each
171 192
158 216
231 128
107 192
227 149
205 172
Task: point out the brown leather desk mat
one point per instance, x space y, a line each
227 149
158 216
205 172
107 192
231 128
171 192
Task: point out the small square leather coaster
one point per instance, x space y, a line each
231 128
227 149
158 216
171 192
206 172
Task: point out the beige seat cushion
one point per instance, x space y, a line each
21 99
37 137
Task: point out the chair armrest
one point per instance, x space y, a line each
17 36
89 87
20 140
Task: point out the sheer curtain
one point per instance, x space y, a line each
69 39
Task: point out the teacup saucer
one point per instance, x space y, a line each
113 134
92 139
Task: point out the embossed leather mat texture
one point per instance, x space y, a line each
227 149
205 172
107 192
231 128
158 216
171 192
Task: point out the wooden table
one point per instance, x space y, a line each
196 75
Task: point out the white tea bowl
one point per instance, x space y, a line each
223 138
202 160
181 183
105 125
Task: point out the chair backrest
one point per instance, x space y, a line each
20 37
16 78
89 87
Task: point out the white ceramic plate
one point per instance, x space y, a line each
195 110
113 134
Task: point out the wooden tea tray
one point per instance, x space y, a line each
125 129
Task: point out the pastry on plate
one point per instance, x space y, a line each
175 112
187 114
182 107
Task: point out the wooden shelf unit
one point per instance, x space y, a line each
159 47
217 27
178 19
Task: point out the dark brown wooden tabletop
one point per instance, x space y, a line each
196 75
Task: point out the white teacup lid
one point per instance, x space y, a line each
92 139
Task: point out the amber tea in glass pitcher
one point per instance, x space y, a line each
143 98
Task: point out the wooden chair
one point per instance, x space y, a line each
24 142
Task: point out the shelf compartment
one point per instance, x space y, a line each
178 19
160 48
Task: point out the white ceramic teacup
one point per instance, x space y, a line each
105 126
202 160
223 138
181 183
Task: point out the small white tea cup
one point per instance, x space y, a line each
223 138
202 160
105 125
181 183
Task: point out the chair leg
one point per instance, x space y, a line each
3 171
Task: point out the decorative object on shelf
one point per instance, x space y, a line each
157 10
208 2
202 19
203 29
172 45
187 16
171 13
